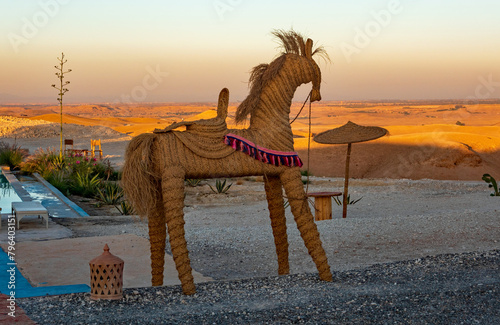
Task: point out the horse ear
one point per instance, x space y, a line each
223 103
309 45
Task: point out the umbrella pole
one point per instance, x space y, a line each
346 182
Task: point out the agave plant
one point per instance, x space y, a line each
193 182
58 179
85 185
349 201
307 174
492 184
220 187
125 208
110 193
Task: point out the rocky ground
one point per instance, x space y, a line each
444 289
229 235
21 128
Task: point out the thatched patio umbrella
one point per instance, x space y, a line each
349 133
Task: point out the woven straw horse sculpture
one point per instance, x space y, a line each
156 164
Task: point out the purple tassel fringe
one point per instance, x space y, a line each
277 158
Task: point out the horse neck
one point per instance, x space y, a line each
271 119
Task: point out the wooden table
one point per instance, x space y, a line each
323 204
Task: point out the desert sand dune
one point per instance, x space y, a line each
128 125
395 159
69 119
203 116
436 141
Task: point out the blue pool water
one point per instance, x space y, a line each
7 195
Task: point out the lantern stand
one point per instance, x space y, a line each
106 276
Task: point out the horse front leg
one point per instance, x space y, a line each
173 202
294 189
273 187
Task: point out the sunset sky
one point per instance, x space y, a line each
186 51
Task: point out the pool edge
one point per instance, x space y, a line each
25 196
61 196
21 192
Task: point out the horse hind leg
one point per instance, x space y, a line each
173 202
294 189
157 237
276 207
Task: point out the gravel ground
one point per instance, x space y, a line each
444 289
229 236
418 252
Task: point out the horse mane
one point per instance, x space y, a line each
291 42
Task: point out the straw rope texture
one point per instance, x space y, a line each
156 164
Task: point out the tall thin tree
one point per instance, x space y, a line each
60 74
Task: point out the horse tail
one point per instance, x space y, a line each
140 179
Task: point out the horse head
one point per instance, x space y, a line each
316 80
295 66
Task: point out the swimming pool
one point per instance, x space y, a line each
7 195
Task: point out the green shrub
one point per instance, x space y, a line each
104 169
305 172
11 155
75 173
43 161
78 164
58 179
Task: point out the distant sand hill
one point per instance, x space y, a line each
427 140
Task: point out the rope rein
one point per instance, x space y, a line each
308 136
308 96
308 147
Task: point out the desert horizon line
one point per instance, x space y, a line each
428 101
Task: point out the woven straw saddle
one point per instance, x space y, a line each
203 137
156 164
